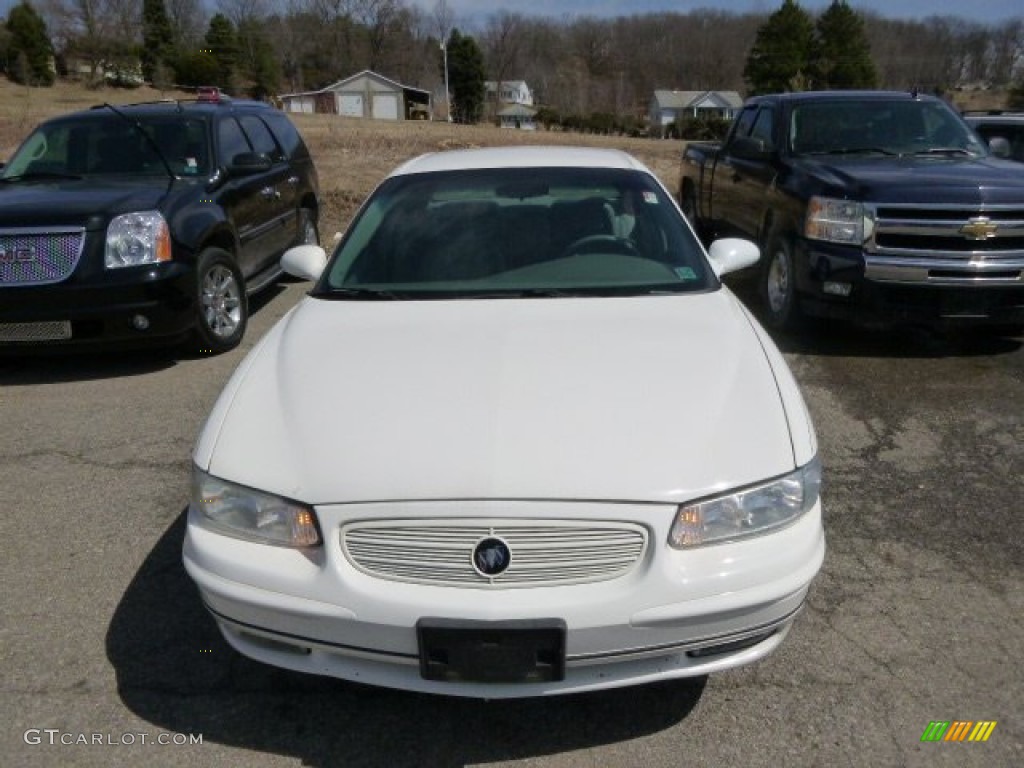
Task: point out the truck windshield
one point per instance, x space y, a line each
106 145
897 127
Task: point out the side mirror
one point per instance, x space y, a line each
305 262
731 254
749 148
247 163
1000 147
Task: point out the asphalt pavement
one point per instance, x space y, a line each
109 659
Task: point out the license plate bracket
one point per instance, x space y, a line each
520 651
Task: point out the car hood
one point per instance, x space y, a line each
88 202
955 180
643 399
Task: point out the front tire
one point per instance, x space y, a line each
688 205
222 311
777 285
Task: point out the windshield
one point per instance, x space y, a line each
106 144
515 232
897 127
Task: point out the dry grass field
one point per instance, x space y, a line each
351 155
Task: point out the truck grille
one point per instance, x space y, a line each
950 232
542 554
39 256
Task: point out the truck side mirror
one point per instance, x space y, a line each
750 148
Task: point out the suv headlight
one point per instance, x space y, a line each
749 512
137 238
837 221
235 510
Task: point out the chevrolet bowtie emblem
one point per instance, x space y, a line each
979 228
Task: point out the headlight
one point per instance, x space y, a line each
749 512
137 238
238 511
837 221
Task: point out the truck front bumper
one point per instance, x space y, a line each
842 282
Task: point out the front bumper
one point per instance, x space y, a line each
910 290
102 307
675 614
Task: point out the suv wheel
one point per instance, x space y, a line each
778 285
221 308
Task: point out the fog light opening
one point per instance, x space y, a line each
838 289
735 645
277 646
140 322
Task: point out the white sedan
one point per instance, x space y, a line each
518 440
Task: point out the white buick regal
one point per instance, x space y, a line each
518 440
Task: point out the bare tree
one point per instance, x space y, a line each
501 43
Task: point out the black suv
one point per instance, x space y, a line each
150 222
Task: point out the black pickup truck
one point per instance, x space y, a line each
867 205
149 223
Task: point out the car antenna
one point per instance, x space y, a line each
149 139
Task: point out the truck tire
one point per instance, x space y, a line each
777 285
222 311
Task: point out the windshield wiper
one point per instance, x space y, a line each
31 175
943 151
359 294
859 151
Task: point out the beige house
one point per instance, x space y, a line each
365 94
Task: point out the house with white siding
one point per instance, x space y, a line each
365 94
668 107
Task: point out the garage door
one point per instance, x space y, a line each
385 106
350 104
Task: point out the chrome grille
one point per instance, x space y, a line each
940 230
543 554
39 256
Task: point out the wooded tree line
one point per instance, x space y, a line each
575 66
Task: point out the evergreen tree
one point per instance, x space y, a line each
258 62
842 56
29 51
222 47
157 38
465 77
779 59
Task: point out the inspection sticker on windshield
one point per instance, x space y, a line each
650 198
685 273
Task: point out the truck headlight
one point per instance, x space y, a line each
137 238
750 512
836 221
244 513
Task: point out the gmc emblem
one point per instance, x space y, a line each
20 255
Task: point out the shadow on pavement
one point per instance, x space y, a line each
174 670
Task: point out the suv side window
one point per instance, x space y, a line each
260 136
231 140
286 134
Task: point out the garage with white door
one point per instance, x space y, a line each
366 94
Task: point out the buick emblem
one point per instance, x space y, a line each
491 557
979 228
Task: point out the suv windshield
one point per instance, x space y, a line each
108 145
516 232
897 127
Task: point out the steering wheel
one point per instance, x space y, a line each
608 243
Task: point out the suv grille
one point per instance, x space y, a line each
39 256
542 554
